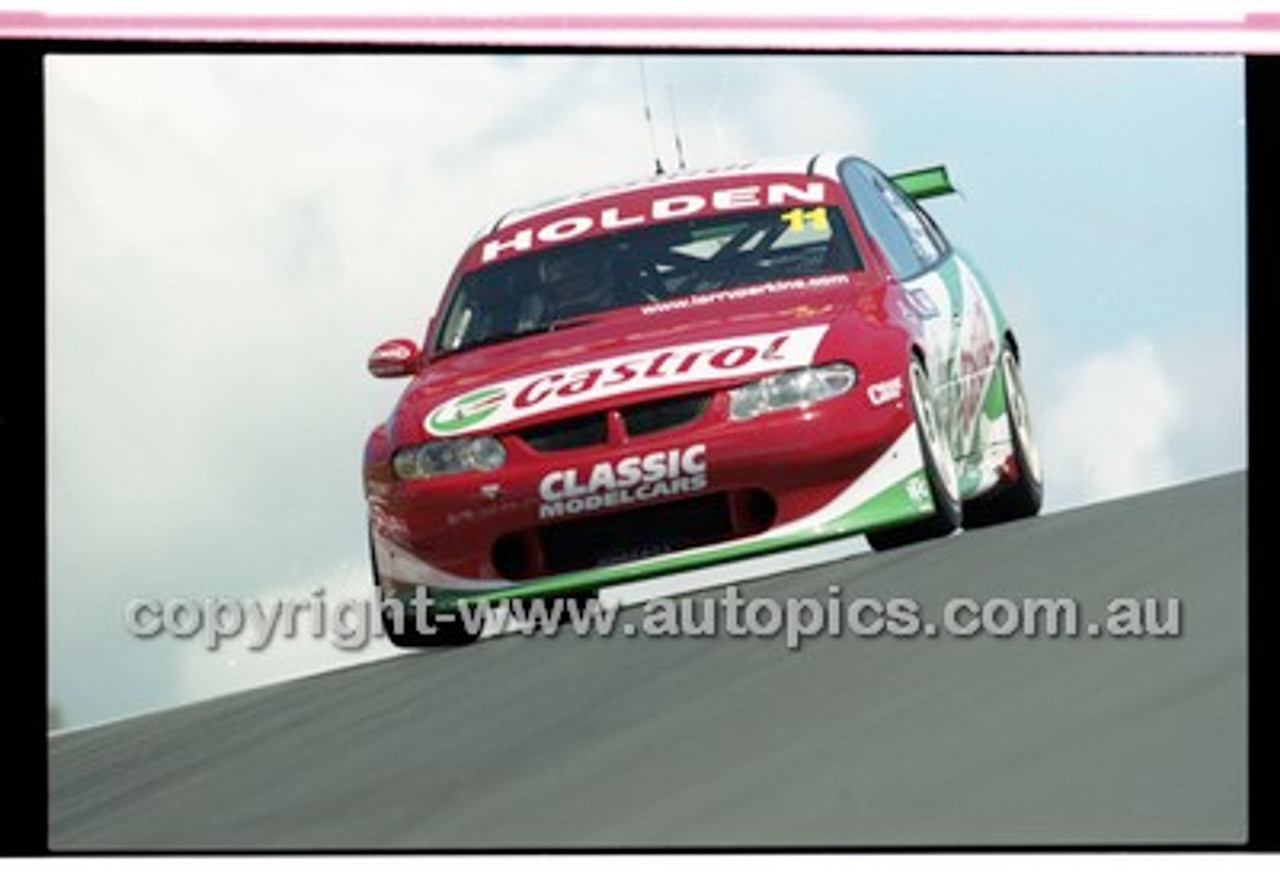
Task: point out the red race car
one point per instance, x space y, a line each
691 369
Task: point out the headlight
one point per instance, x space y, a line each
792 389
449 456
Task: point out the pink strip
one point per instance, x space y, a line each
503 28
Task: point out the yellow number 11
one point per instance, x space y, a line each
799 218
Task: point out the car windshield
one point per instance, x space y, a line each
540 291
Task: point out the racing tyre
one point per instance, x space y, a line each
939 468
402 630
1023 496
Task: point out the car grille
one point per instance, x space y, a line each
655 416
638 419
635 534
561 435
613 538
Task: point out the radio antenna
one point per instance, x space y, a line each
648 117
675 126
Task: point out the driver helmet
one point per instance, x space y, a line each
577 281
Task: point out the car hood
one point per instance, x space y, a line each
633 354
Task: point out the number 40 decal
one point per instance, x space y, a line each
802 218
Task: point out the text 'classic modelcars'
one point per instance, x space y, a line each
692 369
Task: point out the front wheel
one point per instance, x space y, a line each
406 627
402 626
939 469
1023 495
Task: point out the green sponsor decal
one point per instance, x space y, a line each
993 411
988 290
993 407
465 412
900 502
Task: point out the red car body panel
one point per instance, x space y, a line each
485 529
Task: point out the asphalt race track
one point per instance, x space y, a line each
580 743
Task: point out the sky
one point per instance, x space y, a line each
228 236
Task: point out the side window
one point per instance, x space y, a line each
931 227
908 238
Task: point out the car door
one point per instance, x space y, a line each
926 269
974 339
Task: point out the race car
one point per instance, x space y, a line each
690 369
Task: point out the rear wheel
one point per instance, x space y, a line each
939 469
1023 496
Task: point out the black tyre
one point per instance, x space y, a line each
452 632
940 471
405 629
1023 496
401 626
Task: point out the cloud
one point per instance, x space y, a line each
302 627
228 237
1110 428
748 108
1212 373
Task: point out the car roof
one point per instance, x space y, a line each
819 164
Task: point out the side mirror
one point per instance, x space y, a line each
395 358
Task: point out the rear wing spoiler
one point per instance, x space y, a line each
925 183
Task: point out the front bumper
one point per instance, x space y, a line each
701 494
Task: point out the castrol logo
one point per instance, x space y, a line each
498 404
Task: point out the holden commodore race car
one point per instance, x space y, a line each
691 369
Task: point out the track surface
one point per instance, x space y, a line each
708 742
